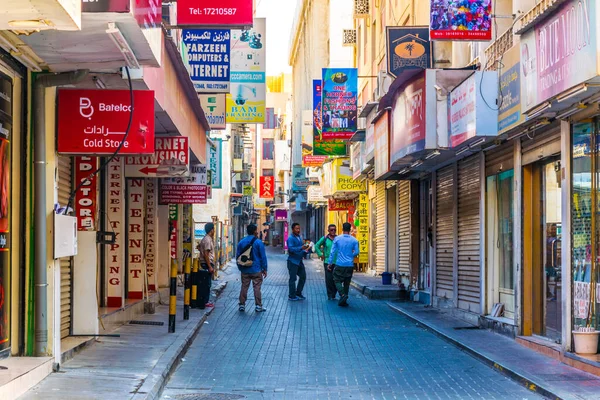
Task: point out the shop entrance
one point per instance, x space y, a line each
392 229
426 235
542 286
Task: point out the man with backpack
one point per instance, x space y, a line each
323 250
252 263
345 248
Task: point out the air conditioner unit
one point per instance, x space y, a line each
384 81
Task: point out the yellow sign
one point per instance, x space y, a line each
342 177
362 234
247 191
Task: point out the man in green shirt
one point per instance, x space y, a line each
323 249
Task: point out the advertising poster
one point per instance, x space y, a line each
186 190
85 199
135 238
339 103
208 59
509 114
362 234
407 48
266 188
408 121
94 121
382 157
5 207
215 13
461 20
214 110
247 99
321 149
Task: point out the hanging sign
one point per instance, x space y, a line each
362 234
208 56
171 158
281 215
266 188
215 13
461 20
135 237
115 217
214 110
247 191
85 198
407 48
408 121
186 190
509 113
173 222
214 163
342 177
151 203
339 205
94 122
382 152
340 91
321 149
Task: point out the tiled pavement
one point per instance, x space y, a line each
317 350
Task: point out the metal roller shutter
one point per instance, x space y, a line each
469 267
499 159
444 271
380 248
542 145
404 227
64 185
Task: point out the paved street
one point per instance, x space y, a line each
317 350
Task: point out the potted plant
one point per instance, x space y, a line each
586 337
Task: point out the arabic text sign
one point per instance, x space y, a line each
221 13
408 121
247 99
186 190
461 20
95 121
208 58
214 110
408 47
339 109
170 157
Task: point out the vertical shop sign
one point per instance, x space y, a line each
151 203
135 237
173 219
213 106
382 155
321 149
407 48
461 20
208 53
214 163
187 229
115 217
340 91
509 113
247 99
5 207
267 187
308 139
363 228
286 234
85 198
408 121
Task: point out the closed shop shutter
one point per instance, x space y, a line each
380 228
404 227
445 233
541 145
469 268
499 159
65 181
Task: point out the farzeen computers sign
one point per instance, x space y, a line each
208 53
95 121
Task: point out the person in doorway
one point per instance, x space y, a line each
255 273
323 250
343 251
207 260
296 252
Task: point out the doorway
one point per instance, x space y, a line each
426 235
392 229
542 240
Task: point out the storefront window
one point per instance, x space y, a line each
584 218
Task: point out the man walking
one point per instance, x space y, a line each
323 250
207 263
254 273
296 252
343 251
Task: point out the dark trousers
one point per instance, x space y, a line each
204 293
342 276
300 272
329 283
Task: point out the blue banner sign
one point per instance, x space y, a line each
208 56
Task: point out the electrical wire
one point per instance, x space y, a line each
112 157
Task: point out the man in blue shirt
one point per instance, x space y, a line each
296 251
345 248
257 272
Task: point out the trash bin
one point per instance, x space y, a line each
386 278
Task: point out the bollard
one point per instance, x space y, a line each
173 296
194 279
187 287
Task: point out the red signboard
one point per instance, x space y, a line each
266 188
85 198
94 122
340 205
215 13
183 194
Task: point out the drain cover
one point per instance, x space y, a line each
153 323
209 396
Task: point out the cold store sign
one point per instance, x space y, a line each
94 122
214 13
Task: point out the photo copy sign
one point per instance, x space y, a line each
94 122
186 190
214 13
171 158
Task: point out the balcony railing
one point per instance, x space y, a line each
498 48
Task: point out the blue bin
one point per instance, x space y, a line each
386 278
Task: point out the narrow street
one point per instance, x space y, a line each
317 350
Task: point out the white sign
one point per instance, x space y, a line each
214 110
115 217
171 158
462 112
315 194
135 238
151 230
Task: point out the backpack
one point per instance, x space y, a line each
245 259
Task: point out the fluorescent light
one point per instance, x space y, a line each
571 111
464 149
416 164
99 83
403 171
7 45
579 89
477 142
539 109
119 40
432 155
26 60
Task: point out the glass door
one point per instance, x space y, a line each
426 233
